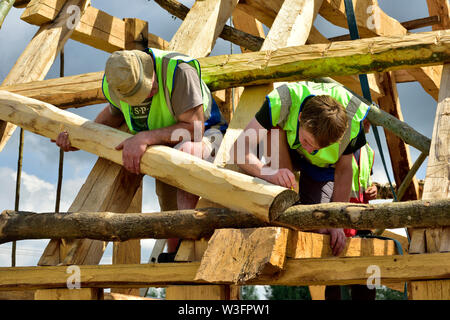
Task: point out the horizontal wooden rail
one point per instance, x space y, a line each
297 272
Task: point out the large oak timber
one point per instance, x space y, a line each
437 186
37 58
378 54
254 252
297 272
263 252
129 252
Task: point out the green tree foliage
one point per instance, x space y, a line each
249 293
159 293
287 293
388 294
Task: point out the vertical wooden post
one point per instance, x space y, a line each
437 184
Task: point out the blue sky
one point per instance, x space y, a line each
40 164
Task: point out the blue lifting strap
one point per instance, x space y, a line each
354 34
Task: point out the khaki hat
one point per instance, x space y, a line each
129 74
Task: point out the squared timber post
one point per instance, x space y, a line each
437 185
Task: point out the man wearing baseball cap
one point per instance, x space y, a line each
162 99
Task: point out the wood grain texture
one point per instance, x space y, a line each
297 272
255 252
201 27
37 58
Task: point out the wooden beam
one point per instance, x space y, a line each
37 58
199 292
201 223
370 55
96 28
408 25
65 294
334 11
297 272
236 36
5 6
354 270
380 24
244 21
172 166
437 182
398 150
129 252
252 253
303 245
21 3
366 216
437 175
109 187
67 92
441 8
288 64
207 18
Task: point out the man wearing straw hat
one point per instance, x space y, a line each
162 99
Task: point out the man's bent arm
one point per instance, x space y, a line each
245 154
190 127
108 119
343 176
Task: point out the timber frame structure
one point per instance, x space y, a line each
257 218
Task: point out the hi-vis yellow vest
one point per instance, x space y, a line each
161 114
286 102
362 168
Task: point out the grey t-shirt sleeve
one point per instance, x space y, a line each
187 92
114 110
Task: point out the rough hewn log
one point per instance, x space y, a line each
172 166
199 223
401 129
370 55
233 35
107 226
368 216
5 6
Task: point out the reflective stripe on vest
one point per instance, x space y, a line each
362 168
161 112
286 102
